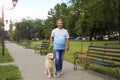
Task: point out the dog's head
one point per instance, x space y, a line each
50 56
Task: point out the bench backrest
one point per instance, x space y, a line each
45 44
105 53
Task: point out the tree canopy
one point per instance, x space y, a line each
81 18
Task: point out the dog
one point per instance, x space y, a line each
49 65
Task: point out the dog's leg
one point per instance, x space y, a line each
49 73
46 68
54 72
46 71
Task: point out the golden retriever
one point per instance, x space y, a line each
49 65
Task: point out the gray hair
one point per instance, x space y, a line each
59 20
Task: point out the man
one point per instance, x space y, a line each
60 44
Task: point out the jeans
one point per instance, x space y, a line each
58 55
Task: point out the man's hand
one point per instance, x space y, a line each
51 42
67 49
51 45
67 44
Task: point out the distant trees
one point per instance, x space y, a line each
88 17
81 18
28 29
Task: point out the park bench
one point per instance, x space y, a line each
107 56
43 48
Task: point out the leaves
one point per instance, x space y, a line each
80 17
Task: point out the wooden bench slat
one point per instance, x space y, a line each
103 54
93 49
100 62
44 43
110 51
43 47
105 58
105 47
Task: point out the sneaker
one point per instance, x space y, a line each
58 73
61 73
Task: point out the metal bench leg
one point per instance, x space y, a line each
86 65
40 51
75 65
35 50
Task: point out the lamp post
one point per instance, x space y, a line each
2 28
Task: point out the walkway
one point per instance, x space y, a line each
31 66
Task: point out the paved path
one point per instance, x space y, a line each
31 66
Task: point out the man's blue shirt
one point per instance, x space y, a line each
60 36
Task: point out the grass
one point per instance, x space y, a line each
6 58
10 72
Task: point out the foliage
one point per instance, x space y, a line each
81 18
88 17
10 72
28 29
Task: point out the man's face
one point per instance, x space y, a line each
60 24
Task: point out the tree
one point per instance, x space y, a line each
28 28
97 16
37 27
81 18
64 12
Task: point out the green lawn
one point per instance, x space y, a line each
9 73
75 46
6 58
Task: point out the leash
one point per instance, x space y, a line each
51 49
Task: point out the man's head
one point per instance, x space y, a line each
59 23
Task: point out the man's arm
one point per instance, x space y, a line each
67 44
51 41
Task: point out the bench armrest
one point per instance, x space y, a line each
76 54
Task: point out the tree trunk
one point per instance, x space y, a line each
91 35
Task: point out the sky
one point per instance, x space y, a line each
27 8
